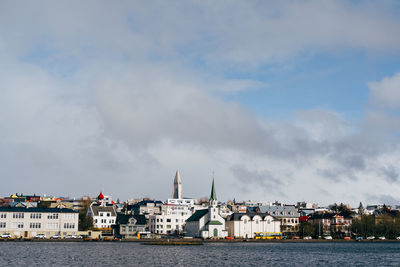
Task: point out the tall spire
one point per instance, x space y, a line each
213 196
177 193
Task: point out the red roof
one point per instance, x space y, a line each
100 196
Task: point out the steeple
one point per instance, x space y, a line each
213 196
177 193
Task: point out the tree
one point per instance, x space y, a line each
85 222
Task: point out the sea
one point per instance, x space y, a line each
209 254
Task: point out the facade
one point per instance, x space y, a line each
103 216
171 220
331 222
28 222
245 225
146 207
207 223
288 216
128 225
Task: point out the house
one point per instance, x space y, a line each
28 222
331 222
207 223
246 225
103 214
287 214
128 225
171 220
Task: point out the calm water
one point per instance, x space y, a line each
216 254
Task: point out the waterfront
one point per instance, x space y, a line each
210 254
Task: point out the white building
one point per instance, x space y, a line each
28 222
171 220
103 214
207 223
245 225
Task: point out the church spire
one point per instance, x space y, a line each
213 193
177 193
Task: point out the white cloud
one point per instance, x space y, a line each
117 96
386 93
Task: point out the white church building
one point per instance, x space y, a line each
247 225
207 223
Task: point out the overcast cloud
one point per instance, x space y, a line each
98 95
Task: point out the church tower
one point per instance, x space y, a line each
213 197
177 193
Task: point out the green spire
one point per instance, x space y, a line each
213 194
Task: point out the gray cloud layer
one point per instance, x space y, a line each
116 97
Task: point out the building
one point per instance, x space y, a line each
28 222
146 207
173 214
207 223
129 226
171 220
329 223
103 214
288 216
245 225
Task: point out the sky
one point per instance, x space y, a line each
278 100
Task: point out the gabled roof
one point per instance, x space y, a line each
197 215
97 209
124 218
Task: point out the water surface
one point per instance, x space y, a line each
209 254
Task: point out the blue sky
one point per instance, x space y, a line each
295 96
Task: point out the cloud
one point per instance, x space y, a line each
104 96
386 93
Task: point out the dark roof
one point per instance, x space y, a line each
237 216
21 209
197 215
124 218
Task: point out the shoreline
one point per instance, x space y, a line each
188 241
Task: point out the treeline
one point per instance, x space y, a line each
386 225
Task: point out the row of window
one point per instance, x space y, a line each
104 221
35 225
21 215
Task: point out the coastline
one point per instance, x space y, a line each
196 240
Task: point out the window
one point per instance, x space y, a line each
108 214
18 215
36 216
69 225
130 228
245 221
256 221
69 216
52 216
168 220
52 226
16 225
2 225
123 228
3 215
34 225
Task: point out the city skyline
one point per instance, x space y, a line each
288 101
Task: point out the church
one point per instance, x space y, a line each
207 223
